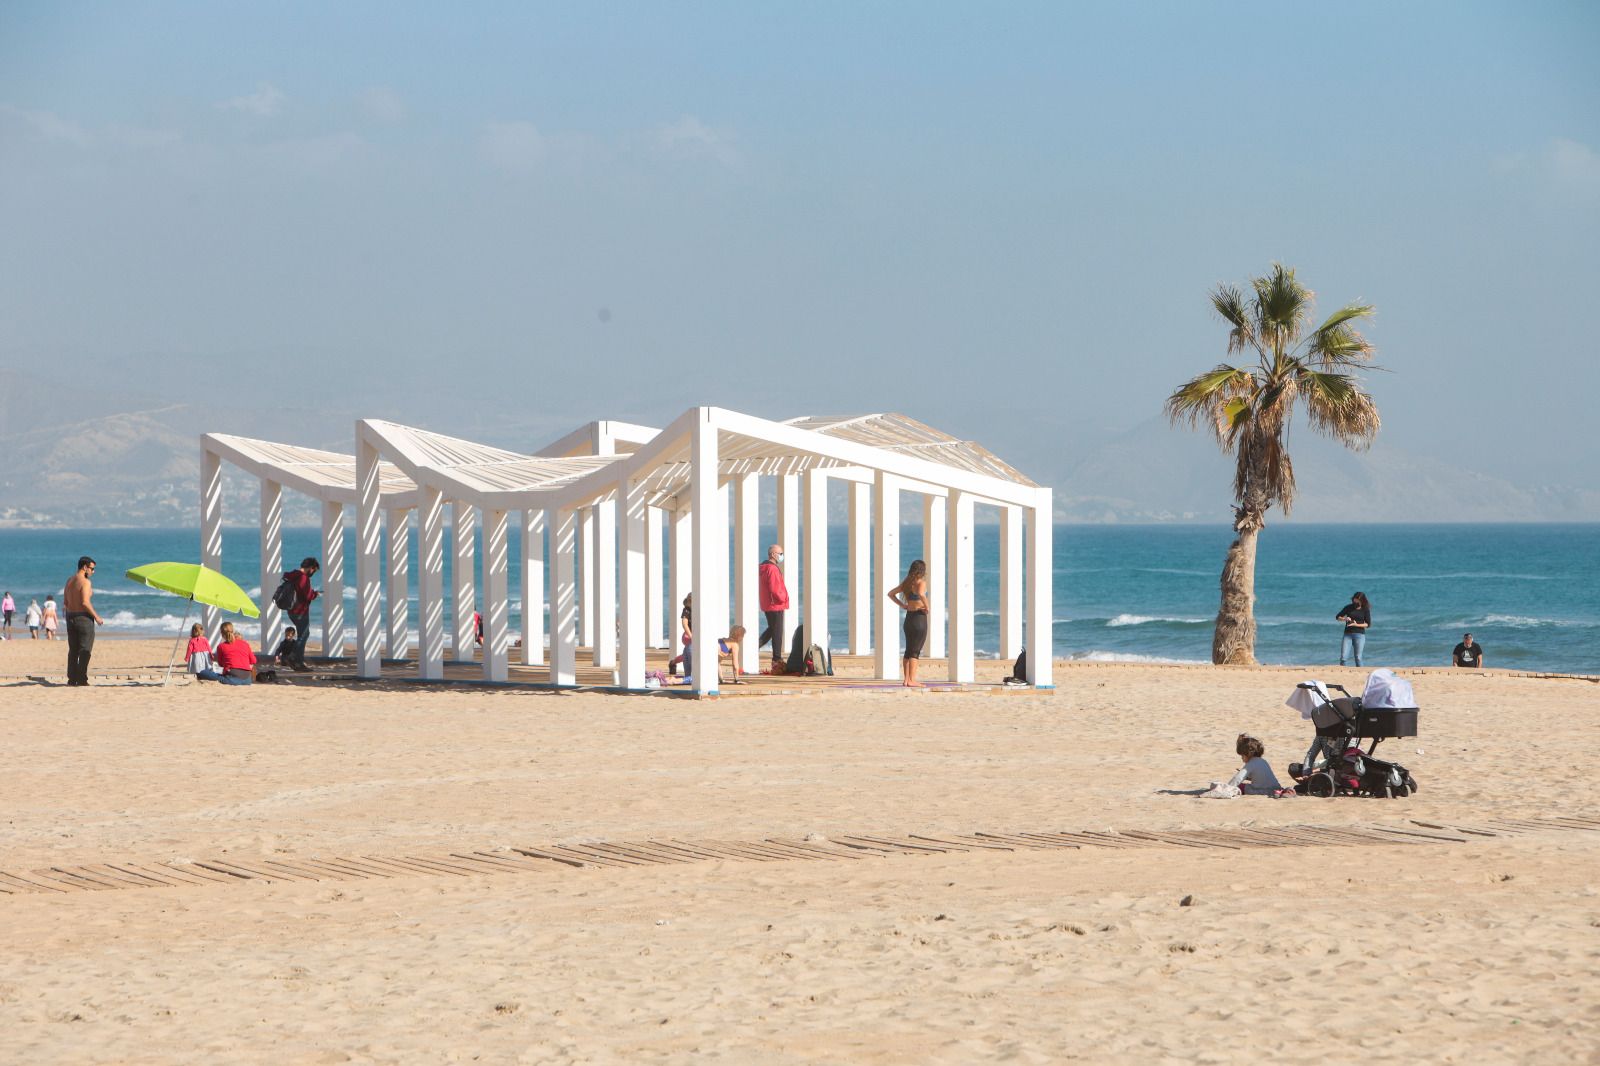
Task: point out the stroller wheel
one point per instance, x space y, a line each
1318 785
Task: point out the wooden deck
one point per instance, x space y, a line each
852 673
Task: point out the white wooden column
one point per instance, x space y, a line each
632 548
605 583
747 558
959 582
369 562
1041 573
496 596
814 506
399 597
463 590
430 583
682 573
564 598
933 553
271 564
533 587
655 615
1010 609
861 585
332 579
789 537
586 577
886 516
211 531
710 554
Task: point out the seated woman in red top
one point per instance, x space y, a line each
234 656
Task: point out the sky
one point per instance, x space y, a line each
1002 219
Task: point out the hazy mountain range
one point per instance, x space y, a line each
78 456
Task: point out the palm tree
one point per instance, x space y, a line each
1250 407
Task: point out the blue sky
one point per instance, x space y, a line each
1003 219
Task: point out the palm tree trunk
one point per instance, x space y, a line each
1234 641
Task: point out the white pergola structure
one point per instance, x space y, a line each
327 477
629 479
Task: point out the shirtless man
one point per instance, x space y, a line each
81 620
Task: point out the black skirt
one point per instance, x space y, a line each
916 630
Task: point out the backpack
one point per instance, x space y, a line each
818 662
286 595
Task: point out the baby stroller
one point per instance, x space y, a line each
1335 765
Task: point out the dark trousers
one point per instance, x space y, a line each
774 633
80 643
302 630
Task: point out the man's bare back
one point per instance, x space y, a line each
79 595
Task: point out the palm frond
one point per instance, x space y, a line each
1282 306
1337 407
1198 398
1229 303
1336 343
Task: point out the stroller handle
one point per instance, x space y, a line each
1312 687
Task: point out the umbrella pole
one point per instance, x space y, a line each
173 654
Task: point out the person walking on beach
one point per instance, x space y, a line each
81 620
1357 618
300 611
1467 653
50 620
34 617
774 595
911 596
8 607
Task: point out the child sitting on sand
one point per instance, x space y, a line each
1255 777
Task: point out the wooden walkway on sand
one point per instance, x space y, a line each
473 861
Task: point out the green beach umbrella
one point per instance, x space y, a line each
198 584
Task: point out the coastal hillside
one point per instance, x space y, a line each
82 457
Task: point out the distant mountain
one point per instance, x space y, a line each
78 457
1155 473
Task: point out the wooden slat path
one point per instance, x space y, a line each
845 847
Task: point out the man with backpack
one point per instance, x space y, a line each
294 595
774 597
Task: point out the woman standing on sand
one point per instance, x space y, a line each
911 596
49 618
8 607
1357 618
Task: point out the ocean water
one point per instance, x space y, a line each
1530 594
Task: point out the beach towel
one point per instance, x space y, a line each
1306 701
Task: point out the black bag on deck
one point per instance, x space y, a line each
796 663
1020 670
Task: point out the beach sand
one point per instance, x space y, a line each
1484 950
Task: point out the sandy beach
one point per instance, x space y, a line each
1461 946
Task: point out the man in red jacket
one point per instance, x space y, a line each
300 613
774 601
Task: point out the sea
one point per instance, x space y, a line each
1529 593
